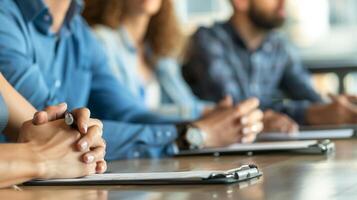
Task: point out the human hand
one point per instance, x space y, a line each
226 102
278 122
91 142
54 152
341 110
227 126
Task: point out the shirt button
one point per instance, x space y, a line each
58 83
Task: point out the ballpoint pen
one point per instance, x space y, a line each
69 119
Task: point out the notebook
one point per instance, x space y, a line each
243 173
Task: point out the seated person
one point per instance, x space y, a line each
143 45
49 55
47 148
245 57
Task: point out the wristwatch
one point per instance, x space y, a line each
195 137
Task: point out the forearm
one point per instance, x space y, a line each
19 109
17 164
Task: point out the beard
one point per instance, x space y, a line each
263 20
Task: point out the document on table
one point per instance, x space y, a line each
307 146
308 135
242 173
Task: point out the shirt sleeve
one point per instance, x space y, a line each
109 99
135 140
177 97
296 84
129 128
4 115
18 68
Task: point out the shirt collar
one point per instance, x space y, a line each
237 39
126 39
37 11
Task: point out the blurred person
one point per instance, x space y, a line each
47 147
143 41
246 57
49 54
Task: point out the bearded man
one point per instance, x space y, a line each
247 57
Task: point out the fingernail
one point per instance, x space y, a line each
255 128
246 131
243 120
89 159
85 127
84 145
245 140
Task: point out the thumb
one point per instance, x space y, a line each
40 118
56 112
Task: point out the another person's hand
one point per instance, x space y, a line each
342 110
278 122
226 102
54 151
227 126
91 142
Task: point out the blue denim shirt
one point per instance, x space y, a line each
219 64
176 97
70 66
4 115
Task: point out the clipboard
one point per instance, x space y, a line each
308 135
243 173
306 147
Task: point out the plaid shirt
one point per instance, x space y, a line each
220 64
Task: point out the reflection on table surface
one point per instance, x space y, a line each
285 176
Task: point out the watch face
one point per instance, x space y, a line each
195 137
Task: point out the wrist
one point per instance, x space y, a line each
37 161
181 142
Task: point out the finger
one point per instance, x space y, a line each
56 112
247 107
293 127
226 102
82 116
248 138
93 138
95 122
352 98
255 116
95 155
90 169
39 118
253 129
101 167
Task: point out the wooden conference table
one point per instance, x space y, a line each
286 176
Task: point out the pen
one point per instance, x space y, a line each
69 119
